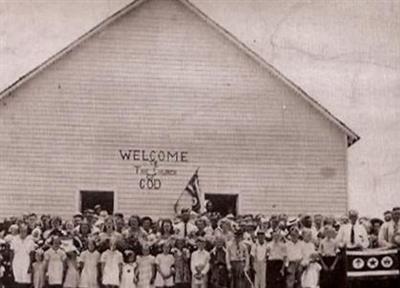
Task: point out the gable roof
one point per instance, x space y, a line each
352 137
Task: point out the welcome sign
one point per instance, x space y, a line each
149 165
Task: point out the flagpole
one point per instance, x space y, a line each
183 191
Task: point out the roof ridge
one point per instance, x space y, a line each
352 137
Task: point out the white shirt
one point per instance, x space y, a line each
200 259
180 229
277 251
259 252
307 249
294 251
360 236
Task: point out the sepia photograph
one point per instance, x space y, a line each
199 143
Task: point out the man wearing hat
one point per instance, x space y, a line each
353 235
389 234
259 259
294 250
97 209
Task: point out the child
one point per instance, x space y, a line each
146 269
89 265
72 275
310 276
182 264
200 264
219 273
111 265
38 268
128 279
165 268
55 263
328 250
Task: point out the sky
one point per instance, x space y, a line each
344 54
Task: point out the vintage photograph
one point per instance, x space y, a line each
199 143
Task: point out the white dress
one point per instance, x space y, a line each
21 261
55 268
165 263
145 268
112 261
310 276
90 261
128 275
72 275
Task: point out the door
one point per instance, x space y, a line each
105 199
223 203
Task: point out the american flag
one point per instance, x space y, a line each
193 189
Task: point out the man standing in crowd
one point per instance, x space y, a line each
390 231
185 229
353 235
294 248
259 259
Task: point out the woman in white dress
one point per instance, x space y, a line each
22 247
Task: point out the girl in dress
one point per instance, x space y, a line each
182 264
89 262
38 268
128 279
55 259
111 264
165 268
146 269
72 275
310 276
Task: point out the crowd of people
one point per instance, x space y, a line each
95 249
